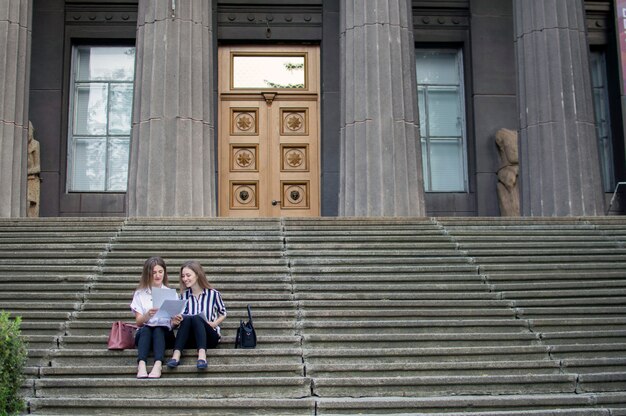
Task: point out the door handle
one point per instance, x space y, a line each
275 202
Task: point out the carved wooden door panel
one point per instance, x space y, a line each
268 132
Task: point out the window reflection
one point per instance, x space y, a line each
98 146
442 120
282 72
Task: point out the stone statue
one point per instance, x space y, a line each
508 193
34 169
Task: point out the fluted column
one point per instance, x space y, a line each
15 38
560 166
381 172
172 169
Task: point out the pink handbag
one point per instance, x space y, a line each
122 336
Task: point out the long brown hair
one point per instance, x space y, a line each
195 267
146 274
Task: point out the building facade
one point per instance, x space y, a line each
312 107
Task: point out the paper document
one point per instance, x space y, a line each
160 294
170 308
167 301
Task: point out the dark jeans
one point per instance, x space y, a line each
195 332
154 338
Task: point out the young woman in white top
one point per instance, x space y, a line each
202 316
153 333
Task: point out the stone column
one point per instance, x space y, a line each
172 167
560 166
15 38
381 173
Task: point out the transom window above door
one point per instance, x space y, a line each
269 71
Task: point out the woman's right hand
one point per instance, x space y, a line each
151 312
176 320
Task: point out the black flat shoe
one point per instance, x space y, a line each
172 363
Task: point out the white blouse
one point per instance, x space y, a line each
142 303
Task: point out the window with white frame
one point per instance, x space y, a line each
603 120
442 119
100 118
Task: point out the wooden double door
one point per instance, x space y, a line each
269 131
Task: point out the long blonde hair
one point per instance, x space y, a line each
146 275
195 267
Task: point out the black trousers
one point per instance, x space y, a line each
195 332
155 338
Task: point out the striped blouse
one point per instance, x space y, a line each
209 303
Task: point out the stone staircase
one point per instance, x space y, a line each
481 316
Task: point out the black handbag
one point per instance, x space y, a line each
246 335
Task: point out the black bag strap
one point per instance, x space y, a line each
250 315
238 337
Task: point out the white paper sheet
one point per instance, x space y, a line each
167 301
159 294
170 308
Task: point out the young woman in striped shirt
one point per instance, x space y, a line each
202 316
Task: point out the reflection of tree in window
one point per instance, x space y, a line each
290 67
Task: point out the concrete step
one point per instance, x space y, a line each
571 312
102 327
425 386
196 387
172 254
582 285
227 341
383 288
577 324
443 268
182 371
393 314
585 337
221 356
233 305
411 326
408 369
554 275
113 264
434 354
561 267
421 340
347 304
583 351
594 365
464 275
172 406
477 405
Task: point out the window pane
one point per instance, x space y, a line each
421 96
89 164
100 63
268 72
120 109
118 164
602 116
425 168
446 165
444 118
90 109
437 67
